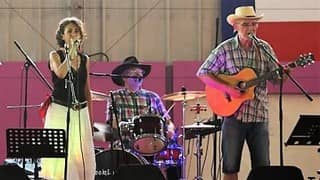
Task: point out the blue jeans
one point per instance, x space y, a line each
234 134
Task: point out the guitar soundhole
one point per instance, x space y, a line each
242 86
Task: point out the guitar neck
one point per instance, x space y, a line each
264 77
267 76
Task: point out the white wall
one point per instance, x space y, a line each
289 10
153 30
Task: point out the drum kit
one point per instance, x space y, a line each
148 140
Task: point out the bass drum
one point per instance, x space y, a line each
107 162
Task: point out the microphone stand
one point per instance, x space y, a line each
71 99
27 64
115 112
184 104
113 75
100 53
273 59
104 74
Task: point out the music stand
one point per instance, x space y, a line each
35 143
306 131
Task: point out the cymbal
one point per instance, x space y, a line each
198 126
98 96
184 95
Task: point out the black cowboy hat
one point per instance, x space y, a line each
129 62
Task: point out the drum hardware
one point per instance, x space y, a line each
169 157
183 96
198 108
191 131
126 128
103 132
98 96
198 130
98 149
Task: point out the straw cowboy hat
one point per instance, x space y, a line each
129 62
243 13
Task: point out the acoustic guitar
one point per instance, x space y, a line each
223 104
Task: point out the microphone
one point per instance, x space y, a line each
76 42
254 38
73 50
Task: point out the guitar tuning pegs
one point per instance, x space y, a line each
312 57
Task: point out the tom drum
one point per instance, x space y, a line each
148 134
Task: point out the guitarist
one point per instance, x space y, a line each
250 121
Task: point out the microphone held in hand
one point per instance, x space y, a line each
73 51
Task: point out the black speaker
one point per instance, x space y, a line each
173 173
138 172
276 173
12 172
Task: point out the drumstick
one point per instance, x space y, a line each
166 113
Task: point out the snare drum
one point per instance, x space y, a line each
148 134
107 162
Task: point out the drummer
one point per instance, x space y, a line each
131 99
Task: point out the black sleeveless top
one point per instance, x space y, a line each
60 92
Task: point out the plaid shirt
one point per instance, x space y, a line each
229 58
129 104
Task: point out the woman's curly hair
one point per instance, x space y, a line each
61 27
